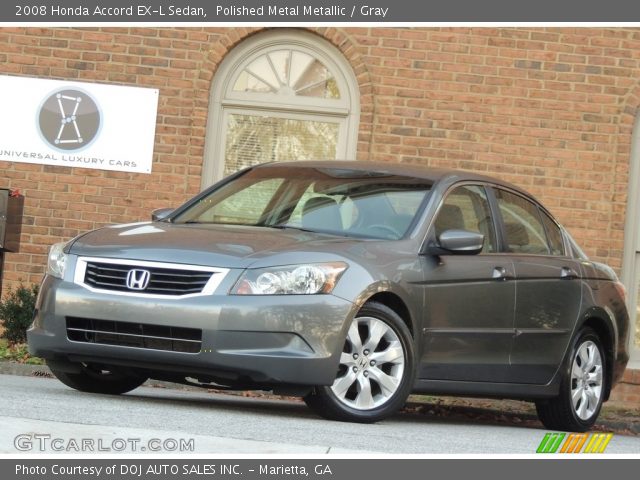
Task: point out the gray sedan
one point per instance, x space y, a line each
351 284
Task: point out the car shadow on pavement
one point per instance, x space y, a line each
442 410
269 405
265 404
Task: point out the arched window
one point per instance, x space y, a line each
280 95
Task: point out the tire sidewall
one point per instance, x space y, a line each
118 381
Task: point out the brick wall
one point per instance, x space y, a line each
627 392
548 109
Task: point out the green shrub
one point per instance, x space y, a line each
17 352
16 312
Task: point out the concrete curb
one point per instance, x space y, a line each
22 369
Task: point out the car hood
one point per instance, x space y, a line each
227 246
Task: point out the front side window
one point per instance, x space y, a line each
335 201
523 228
467 208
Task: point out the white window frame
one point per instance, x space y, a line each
223 100
631 258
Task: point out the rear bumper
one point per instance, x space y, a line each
265 340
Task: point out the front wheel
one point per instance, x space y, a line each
376 370
578 404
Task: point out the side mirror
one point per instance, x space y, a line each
161 214
458 242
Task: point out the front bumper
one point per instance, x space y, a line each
263 340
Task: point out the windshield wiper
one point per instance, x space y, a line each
284 226
277 226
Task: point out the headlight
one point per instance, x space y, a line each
305 279
57 260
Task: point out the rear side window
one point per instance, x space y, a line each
523 228
553 235
467 208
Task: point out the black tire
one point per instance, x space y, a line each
559 413
94 378
327 404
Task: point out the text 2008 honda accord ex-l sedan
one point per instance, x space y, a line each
351 284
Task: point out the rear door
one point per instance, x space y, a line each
548 287
469 298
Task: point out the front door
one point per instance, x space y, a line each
470 298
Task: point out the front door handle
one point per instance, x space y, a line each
568 273
499 273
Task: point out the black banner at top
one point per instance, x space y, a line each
313 11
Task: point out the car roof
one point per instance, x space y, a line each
449 175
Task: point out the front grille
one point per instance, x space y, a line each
162 281
138 335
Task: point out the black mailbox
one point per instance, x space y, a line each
11 207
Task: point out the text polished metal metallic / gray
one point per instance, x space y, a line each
351 284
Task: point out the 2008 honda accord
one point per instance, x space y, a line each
351 284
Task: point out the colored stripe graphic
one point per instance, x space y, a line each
595 443
550 443
598 443
571 443
606 442
543 443
581 443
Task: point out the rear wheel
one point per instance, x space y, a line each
96 378
578 404
376 369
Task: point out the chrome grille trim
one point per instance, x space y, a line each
84 267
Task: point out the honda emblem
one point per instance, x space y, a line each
138 279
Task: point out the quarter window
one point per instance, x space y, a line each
467 208
553 235
523 228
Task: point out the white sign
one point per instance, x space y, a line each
75 124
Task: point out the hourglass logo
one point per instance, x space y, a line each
69 119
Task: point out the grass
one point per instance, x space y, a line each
18 352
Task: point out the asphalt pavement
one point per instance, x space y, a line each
232 424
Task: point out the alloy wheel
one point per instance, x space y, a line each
371 365
586 380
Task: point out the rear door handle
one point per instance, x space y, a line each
568 273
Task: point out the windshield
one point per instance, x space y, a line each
335 201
